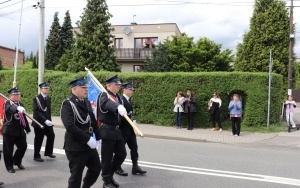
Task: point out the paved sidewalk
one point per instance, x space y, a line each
198 135
207 135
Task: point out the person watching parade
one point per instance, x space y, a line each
109 111
79 144
41 105
128 132
15 128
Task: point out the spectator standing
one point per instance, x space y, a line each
290 109
235 107
178 108
190 108
215 112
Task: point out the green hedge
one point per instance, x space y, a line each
155 93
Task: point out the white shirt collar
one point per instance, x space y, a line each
126 97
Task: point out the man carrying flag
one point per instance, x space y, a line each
113 152
14 131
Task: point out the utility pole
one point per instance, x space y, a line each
41 66
269 88
291 51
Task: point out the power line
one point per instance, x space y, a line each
16 11
10 5
5 2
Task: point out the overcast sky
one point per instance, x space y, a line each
223 21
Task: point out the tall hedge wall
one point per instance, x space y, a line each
155 93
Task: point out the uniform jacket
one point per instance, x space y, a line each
190 104
77 135
12 124
126 128
107 112
38 113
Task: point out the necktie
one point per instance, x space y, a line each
45 98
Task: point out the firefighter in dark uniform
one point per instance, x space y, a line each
42 113
82 136
128 132
109 111
15 128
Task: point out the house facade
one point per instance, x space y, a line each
135 42
8 56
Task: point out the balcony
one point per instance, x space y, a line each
133 53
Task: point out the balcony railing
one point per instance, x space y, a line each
133 53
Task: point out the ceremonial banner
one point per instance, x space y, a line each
93 92
2 101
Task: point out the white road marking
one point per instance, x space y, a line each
202 171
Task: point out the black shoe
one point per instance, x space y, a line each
107 183
121 172
38 159
137 170
20 166
11 170
1 183
51 156
113 181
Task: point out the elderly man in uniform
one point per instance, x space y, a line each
80 144
14 131
42 113
128 132
110 110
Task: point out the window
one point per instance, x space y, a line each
118 42
137 68
146 42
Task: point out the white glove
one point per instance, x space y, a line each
48 123
92 143
98 143
134 122
21 109
122 111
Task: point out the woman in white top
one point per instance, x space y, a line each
214 109
178 108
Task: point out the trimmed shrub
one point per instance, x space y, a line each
155 93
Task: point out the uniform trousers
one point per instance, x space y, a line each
130 140
8 148
77 162
38 141
111 162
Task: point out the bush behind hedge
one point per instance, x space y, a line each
155 93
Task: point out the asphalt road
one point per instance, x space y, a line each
175 164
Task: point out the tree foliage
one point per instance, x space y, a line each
66 34
93 46
53 46
269 30
182 54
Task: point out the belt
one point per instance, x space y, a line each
110 126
